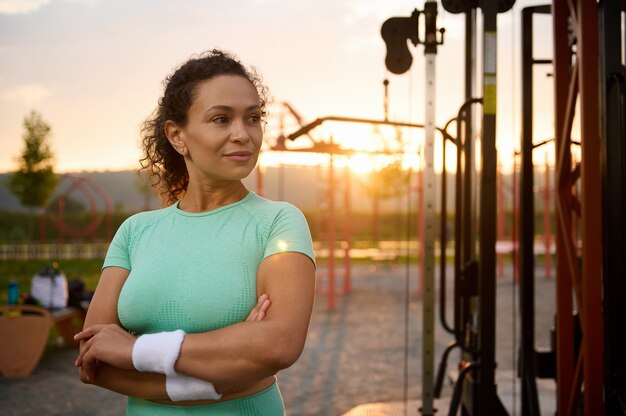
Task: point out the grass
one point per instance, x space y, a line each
88 270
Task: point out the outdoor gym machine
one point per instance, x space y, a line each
475 386
613 131
532 363
395 32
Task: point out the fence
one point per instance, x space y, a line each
50 251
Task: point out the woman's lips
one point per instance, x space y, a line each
240 156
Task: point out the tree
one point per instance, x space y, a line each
34 182
71 206
144 186
389 182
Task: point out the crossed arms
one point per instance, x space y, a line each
239 359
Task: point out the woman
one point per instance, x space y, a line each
181 319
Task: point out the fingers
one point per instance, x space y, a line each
263 309
86 338
87 363
87 333
89 367
262 299
260 309
84 347
106 343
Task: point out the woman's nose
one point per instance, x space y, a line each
240 132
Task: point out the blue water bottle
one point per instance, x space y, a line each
14 293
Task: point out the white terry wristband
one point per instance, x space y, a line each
181 387
157 353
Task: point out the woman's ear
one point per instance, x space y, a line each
174 135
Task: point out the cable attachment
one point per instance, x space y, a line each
397 30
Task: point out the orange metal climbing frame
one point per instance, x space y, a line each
577 77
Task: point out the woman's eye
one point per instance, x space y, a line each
255 118
220 119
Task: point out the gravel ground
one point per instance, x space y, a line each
362 358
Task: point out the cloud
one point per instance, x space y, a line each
27 94
21 6
13 7
361 9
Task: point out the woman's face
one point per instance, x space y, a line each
224 129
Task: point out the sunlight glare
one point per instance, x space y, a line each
361 164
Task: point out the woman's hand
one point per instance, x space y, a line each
256 314
113 345
260 309
107 343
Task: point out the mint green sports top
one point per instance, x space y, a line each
197 271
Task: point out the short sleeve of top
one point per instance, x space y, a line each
289 232
118 253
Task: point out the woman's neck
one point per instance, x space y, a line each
202 197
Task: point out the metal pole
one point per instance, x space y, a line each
546 220
331 232
486 395
421 221
468 221
614 198
591 209
468 277
527 356
347 234
564 321
375 218
500 225
429 186
458 229
443 245
515 231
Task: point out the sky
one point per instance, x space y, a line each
94 70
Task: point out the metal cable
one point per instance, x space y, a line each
407 266
514 291
407 274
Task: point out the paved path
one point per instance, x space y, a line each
356 362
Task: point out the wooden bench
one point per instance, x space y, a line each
24 330
69 321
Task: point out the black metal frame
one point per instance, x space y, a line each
527 352
475 283
486 401
613 104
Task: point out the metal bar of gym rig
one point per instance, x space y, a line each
527 352
613 133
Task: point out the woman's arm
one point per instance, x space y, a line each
103 310
239 353
245 351
113 338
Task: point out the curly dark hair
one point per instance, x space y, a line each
166 167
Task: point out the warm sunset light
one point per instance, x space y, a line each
349 85
361 163
332 207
